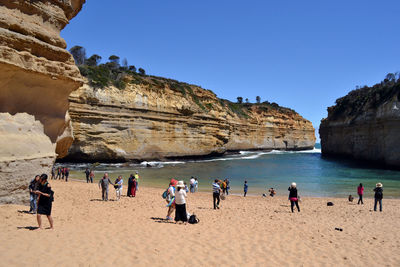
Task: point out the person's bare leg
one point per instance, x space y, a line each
50 221
39 220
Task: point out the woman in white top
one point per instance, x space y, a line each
180 203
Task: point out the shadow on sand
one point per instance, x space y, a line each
31 228
25 211
161 220
98 199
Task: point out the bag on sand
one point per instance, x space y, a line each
193 219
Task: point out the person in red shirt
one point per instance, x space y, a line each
360 192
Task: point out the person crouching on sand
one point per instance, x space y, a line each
378 196
45 199
180 203
171 198
216 193
103 184
293 197
118 187
272 192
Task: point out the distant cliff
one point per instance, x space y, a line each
365 125
157 118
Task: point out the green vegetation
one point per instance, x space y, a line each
365 97
112 73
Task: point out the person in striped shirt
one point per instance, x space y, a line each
216 193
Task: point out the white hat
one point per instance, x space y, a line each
293 184
378 185
180 184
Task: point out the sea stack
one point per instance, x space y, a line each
37 75
365 125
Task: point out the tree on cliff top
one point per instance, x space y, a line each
114 60
79 54
94 60
142 71
239 99
258 99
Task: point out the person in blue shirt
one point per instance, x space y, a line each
246 187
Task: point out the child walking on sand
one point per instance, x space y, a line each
294 200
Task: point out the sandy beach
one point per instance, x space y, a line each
251 231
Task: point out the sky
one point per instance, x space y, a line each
300 54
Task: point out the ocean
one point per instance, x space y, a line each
315 176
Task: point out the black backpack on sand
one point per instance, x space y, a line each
193 219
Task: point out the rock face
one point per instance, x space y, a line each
156 121
37 75
365 125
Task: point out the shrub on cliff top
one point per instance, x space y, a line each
356 101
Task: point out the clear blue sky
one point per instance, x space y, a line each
299 54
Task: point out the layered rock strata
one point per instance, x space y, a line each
155 121
365 125
37 75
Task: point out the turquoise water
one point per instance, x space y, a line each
315 176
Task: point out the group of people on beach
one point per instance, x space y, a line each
41 199
378 195
133 186
41 195
60 173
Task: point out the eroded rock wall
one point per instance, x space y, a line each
141 123
370 135
37 75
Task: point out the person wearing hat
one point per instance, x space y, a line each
293 197
45 199
378 196
171 198
180 203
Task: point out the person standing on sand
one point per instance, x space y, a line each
45 200
360 192
216 193
130 182
66 170
191 182
104 183
378 196
53 173
91 175
58 173
196 184
227 186
180 203
87 173
118 187
33 185
137 177
171 198
294 200
62 172
245 188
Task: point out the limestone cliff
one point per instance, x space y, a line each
37 75
365 125
156 118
